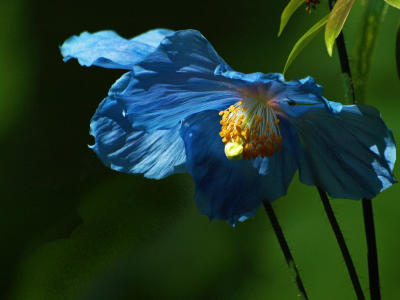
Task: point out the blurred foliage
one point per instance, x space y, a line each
364 47
73 229
17 65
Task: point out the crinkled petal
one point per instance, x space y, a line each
350 155
122 148
175 81
108 50
231 190
302 93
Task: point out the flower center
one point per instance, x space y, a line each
250 131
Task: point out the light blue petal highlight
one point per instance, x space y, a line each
122 148
175 81
350 154
231 190
108 50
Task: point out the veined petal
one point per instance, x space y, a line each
108 50
350 155
298 96
231 190
175 81
122 148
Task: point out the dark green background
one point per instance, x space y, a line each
70 228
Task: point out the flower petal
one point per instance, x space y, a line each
175 81
300 95
231 190
350 155
122 148
108 50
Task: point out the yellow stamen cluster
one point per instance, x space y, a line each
256 137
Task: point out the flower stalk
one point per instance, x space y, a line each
366 203
342 245
286 251
373 270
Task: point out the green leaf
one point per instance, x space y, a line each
287 13
336 21
304 40
395 3
364 47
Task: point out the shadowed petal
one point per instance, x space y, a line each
350 155
120 147
108 50
230 190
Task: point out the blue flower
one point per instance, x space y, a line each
181 108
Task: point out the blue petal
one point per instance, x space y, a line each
350 155
244 79
299 96
108 50
122 148
231 190
302 93
175 81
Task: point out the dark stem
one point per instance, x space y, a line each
373 270
343 57
342 244
367 204
286 251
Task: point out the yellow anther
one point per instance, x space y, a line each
245 130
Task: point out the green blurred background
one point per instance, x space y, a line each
71 228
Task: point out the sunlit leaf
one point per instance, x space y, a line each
304 40
336 21
287 13
365 45
395 3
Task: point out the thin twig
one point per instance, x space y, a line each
286 251
342 245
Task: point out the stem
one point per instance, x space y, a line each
344 65
342 245
367 204
374 287
286 251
